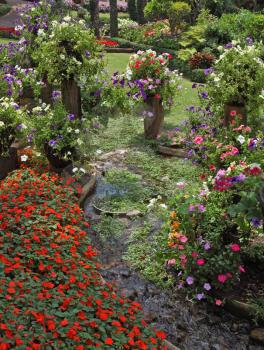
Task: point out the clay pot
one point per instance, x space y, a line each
58 162
241 114
8 162
152 125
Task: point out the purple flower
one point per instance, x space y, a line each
194 86
191 208
200 296
229 46
52 143
189 280
256 222
87 53
207 246
249 41
207 286
203 95
56 95
239 178
71 117
201 208
208 71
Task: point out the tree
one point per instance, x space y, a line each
113 18
140 11
132 9
94 13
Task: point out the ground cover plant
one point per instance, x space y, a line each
52 292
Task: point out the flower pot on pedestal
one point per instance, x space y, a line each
153 124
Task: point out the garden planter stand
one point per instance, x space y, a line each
8 163
240 114
58 163
46 92
71 97
152 125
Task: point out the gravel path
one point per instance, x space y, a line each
9 20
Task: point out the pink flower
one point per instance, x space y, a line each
235 247
194 254
241 269
198 140
233 113
218 302
221 278
229 275
183 239
200 261
171 262
157 96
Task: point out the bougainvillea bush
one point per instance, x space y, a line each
52 295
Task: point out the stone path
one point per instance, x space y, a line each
9 20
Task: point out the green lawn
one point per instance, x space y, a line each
5 40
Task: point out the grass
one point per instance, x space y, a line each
117 62
106 15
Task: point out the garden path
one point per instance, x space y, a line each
9 20
189 326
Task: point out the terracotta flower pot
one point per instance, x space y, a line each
233 112
153 124
58 162
8 163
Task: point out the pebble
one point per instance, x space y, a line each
258 335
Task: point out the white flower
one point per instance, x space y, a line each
163 206
67 19
74 170
79 142
2 123
99 151
77 131
62 57
241 139
24 158
41 32
82 170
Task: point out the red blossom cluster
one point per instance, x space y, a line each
201 60
108 43
52 295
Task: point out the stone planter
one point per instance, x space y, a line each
8 163
173 151
240 114
152 125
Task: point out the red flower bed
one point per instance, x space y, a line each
8 29
108 43
52 295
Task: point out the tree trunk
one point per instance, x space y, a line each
140 11
152 125
132 10
94 12
71 97
113 18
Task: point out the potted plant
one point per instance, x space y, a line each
55 133
11 128
68 54
150 80
237 81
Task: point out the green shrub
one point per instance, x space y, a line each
4 9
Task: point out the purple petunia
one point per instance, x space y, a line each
189 280
71 117
207 286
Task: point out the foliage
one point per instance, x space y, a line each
201 60
54 127
237 26
68 51
52 293
238 78
175 12
11 126
4 9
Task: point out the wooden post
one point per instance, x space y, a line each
152 125
46 91
71 97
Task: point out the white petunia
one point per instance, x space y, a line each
241 139
24 158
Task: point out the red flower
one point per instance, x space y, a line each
109 341
235 247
